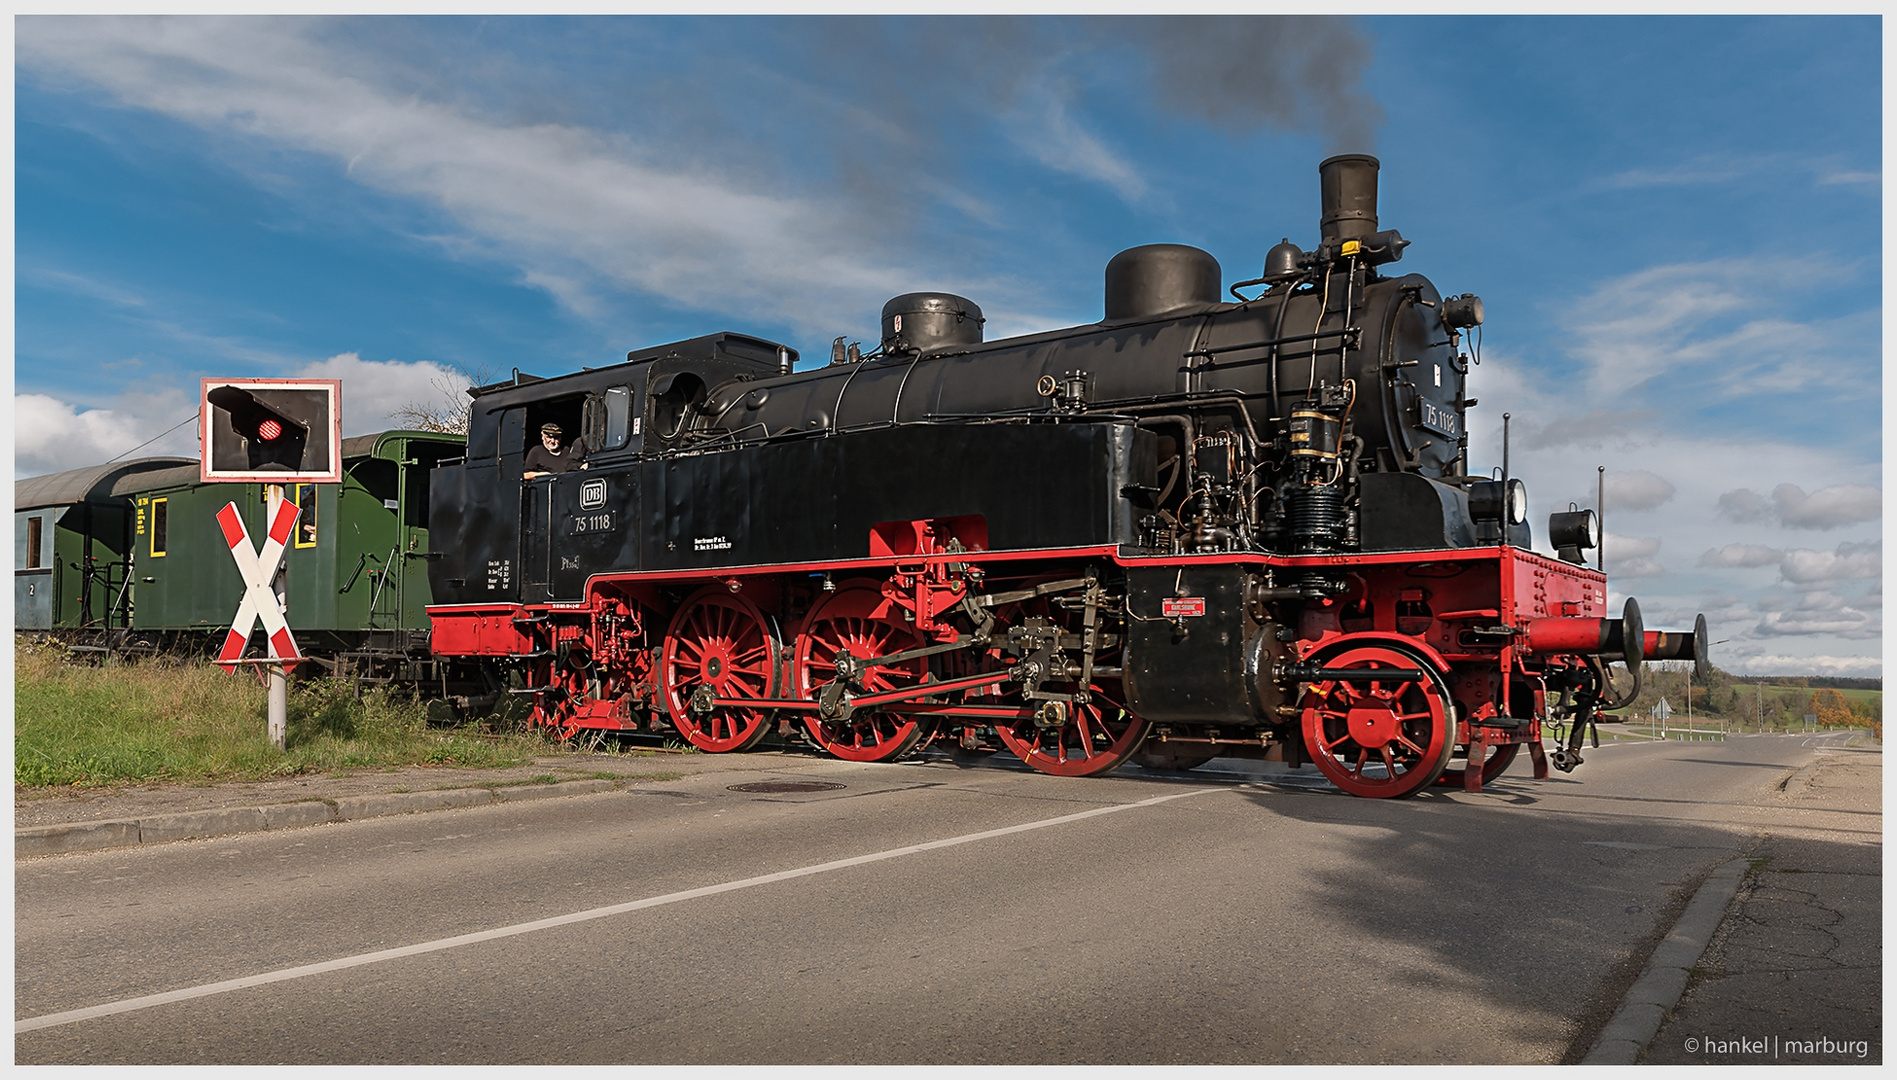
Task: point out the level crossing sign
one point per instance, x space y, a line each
260 601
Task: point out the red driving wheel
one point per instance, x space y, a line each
843 622
1095 738
719 644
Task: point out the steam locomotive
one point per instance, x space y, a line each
1198 527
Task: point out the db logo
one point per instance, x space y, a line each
592 494
1184 607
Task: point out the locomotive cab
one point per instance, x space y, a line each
535 539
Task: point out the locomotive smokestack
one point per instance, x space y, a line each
1349 186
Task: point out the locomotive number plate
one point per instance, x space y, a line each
593 523
1436 418
1183 607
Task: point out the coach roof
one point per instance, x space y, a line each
94 483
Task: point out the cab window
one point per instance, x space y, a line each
618 417
577 415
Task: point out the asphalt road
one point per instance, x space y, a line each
1209 918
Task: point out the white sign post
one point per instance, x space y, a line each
260 570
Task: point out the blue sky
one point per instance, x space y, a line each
1675 226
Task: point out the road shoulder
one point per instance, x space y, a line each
1794 973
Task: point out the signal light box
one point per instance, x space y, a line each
270 431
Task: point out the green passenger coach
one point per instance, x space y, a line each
72 546
134 550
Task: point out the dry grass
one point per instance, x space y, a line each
84 725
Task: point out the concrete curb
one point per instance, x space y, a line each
1662 984
1797 782
200 824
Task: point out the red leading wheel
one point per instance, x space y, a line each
718 646
1089 739
1383 738
843 623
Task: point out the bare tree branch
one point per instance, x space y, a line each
447 414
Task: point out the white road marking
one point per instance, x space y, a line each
284 975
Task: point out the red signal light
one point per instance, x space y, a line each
269 430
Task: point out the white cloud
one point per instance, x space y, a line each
1743 505
1742 555
1631 556
1677 175
1862 667
50 435
1636 490
1849 562
1720 322
1596 427
1818 613
373 390
1051 135
1828 508
560 200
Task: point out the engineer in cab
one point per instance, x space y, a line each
553 457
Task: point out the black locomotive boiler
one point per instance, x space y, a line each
1201 526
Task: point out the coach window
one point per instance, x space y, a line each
33 526
160 520
306 515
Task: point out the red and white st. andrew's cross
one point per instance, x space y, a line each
260 601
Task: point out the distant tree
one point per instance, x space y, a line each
1830 707
447 413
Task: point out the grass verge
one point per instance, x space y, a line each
84 726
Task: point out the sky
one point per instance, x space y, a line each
1674 225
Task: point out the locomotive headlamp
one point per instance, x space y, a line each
1572 532
1498 500
1462 312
